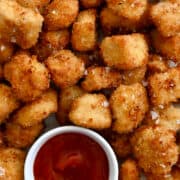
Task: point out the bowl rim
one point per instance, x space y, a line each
31 155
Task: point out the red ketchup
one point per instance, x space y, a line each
71 156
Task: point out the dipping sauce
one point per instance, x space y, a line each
71 156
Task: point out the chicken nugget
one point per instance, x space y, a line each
66 98
164 88
91 111
129 170
166 16
155 149
167 46
84 31
36 111
8 102
6 51
66 69
18 24
98 78
28 77
91 3
12 164
129 104
60 14
125 52
19 137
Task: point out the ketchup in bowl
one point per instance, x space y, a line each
71 156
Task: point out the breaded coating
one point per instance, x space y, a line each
167 46
109 21
66 98
155 149
6 51
84 31
91 3
133 76
98 78
12 164
121 144
132 13
60 14
166 16
125 52
66 69
129 104
36 111
1 72
91 111
168 117
8 102
28 77
35 4
18 24
19 137
129 170
50 42
157 64
164 87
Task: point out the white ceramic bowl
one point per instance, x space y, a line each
31 156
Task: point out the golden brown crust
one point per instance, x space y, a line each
91 3
19 24
155 149
167 46
66 98
19 137
129 170
125 52
8 102
12 163
36 111
129 104
98 78
164 87
166 17
60 14
91 111
84 31
66 69
28 77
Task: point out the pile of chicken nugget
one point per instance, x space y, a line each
112 66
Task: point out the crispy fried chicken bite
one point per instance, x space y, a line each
60 14
169 117
36 111
129 104
156 63
133 76
129 170
6 51
8 102
121 144
164 87
18 24
125 52
28 77
19 137
166 16
155 149
167 46
91 4
66 69
66 97
84 31
98 78
133 14
12 164
91 111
